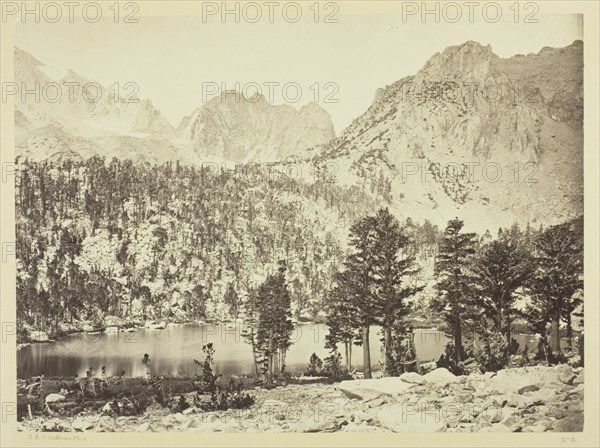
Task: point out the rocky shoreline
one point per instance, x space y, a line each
113 324
528 399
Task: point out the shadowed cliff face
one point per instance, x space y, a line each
470 109
242 129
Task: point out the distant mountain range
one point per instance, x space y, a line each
471 134
229 127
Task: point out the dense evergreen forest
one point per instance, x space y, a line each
125 239
98 237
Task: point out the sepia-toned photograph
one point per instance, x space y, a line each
297 217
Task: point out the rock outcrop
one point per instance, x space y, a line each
497 140
240 129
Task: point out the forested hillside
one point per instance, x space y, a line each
100 238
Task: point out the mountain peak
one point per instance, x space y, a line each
240 129
470 60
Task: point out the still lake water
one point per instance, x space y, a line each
173 350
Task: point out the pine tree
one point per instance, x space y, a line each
454 283
251 322
392 269
502 267
343 320
231 300
557 277
359 281
275 326
373 288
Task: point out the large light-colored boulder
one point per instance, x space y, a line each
144 427
441 377
412 378
565 374
107 409
54 398
373 388
38 336
510 381
87 327
401 418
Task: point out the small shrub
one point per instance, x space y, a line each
315 366
448 361
216 395
182 404
333 367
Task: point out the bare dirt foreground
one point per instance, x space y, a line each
528 399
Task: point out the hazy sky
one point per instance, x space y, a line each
171 57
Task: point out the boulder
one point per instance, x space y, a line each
565 374
87 327
572 423
144 427
577 380
510 381
113 321
188 411
38 336
528 388
54 398
82 424
321 427
441 377
377 402
535 428
512 400
412 378
400 418
159 326
107 409
373 388
489 375
105 424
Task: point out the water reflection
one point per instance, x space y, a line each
173 350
